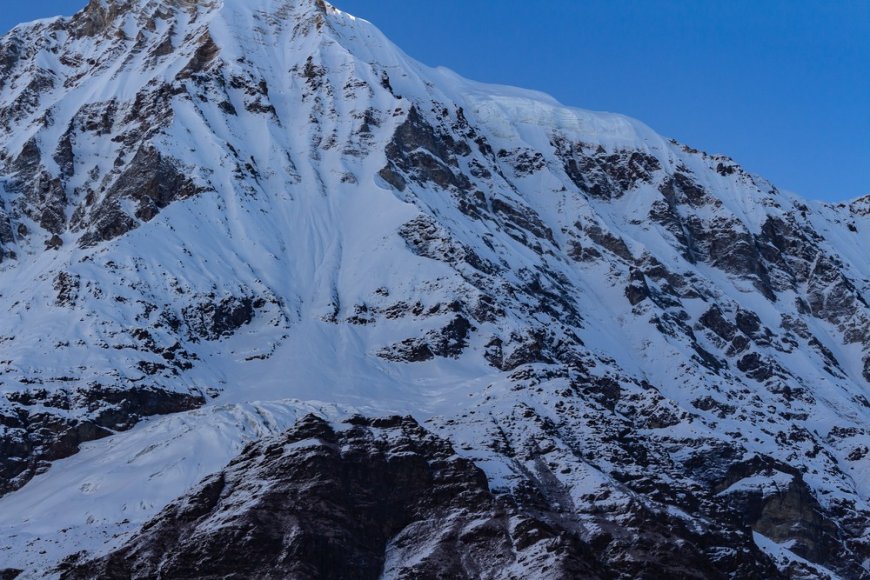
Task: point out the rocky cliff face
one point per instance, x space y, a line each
384 497
378 496
659 359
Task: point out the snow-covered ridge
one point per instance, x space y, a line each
207 204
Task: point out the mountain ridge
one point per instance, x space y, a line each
225 208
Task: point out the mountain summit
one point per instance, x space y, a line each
256 260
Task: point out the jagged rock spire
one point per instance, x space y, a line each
99 15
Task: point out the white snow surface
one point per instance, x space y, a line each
113 486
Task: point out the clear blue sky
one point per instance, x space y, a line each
783 86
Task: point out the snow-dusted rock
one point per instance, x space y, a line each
209 203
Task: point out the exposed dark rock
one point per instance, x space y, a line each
43 197
723 242
152 180
678 285
109 222
64 155
609 242
524 218
580 253
426 238
392 177
681 188
453 338
748 322
494 353
858 453
54 242
6 235
448 342
603 174
424 155
861 206
716 321
708 403
533 346
723 169
605 390
203 57
67 287
797 259
212 319
313 74
7 238
97 17
727 245
787 514
380 496
707 358
757 367
637 290
514 217
28 99
524 162
31 436
757 464
97 118
550 293
10 55
411 350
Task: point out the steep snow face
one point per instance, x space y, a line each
221 202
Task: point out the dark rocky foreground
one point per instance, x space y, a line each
386 497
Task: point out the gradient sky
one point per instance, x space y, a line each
782 86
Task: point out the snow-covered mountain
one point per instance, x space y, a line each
257 225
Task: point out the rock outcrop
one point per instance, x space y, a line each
385 498
376 497
46 426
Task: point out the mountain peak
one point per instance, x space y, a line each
99 16
243 205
